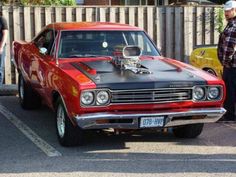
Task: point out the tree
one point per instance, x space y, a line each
219 20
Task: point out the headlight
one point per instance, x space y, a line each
87 98
198 93
213 93
102 97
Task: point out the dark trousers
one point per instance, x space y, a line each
2 65
229 77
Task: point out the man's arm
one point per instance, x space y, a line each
229 46
4 40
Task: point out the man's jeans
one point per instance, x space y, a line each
2 65
229 76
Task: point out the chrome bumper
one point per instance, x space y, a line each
172 118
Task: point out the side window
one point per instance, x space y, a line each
46 40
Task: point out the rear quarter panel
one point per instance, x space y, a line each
17 47
206 58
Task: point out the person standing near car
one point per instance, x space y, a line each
227 55
3 40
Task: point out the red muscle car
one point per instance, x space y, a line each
106 75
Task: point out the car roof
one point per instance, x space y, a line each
91 26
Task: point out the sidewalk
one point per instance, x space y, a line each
6 90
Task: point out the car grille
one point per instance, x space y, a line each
151 96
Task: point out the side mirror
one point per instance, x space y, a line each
43 50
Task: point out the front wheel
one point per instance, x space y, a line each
188 131
67 133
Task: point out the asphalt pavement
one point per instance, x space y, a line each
29 148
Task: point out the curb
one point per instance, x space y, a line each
7 90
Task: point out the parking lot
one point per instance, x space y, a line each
29 147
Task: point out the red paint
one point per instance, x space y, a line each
46 77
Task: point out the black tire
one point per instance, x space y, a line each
188 131
211 71
29 99
67 133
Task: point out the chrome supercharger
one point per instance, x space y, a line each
130 60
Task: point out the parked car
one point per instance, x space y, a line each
104 75
205 57
195 2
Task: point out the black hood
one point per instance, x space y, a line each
163 75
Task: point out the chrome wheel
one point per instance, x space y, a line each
61 121
68 134
29 99
21 88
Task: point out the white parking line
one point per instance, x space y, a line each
161 160
29 133
233 125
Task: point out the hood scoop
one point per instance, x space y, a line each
95 67
129 60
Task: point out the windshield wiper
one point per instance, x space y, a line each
81 56
87 55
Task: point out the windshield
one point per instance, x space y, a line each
102 43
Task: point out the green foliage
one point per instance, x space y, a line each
220 20
4 2
48 2
68 2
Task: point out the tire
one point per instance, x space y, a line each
67 133
188 131
211 71
29 99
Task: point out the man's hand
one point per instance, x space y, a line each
4 40
1 50
227 65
